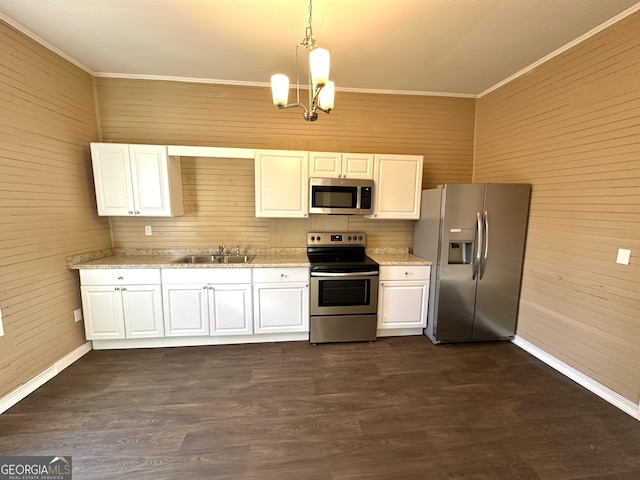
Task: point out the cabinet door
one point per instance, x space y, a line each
398 187
149 173
103 314
282 183
230 309
281 307
142 305
357 165
325 164
402 304
186 311
112 178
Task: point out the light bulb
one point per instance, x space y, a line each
280 89
326 96
319 66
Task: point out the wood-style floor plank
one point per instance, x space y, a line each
396 408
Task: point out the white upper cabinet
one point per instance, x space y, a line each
398 187
282 183
341 165
136 180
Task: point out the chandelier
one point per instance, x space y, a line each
321 90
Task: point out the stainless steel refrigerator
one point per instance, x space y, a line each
474 235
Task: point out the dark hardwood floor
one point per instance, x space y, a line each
399 408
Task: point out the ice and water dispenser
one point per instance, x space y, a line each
461 245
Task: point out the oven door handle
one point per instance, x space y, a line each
344 274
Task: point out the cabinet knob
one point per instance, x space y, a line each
120 278
204 287
137 213
124 289
282 275
117 289
130 212
406 274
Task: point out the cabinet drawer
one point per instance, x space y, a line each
405 272
206 275
272 275
118 276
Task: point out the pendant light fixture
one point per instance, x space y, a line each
321 90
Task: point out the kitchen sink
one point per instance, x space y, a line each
213 259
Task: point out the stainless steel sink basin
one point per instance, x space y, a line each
213 259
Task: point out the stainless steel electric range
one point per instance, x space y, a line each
344 288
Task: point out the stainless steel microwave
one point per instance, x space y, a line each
341 196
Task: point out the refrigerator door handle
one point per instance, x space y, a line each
478 247
483 263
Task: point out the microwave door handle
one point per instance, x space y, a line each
344 274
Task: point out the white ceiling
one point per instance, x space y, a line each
419 46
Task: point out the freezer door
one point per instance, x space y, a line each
457 286
505 214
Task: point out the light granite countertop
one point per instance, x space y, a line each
134 258
264 258
398 258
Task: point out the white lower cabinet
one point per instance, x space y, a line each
207 302
186 309
281 300
403 299
230 309
119 304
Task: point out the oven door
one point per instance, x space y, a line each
344 293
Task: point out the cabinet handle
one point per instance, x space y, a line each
211 288
137 212
124 289
204 288
282 275
120 278
130 212
117 289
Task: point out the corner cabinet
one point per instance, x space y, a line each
140 180
282 183
398 187
403 299
341 165
121 303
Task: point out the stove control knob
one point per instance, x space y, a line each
349 238
313 239
318 237
360 238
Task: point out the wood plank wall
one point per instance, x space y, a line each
47 204
571 128
219 194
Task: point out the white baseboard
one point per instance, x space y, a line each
10 399
615 399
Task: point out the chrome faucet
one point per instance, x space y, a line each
238 250
222 249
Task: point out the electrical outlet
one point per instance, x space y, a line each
624 256
77 314
147 230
